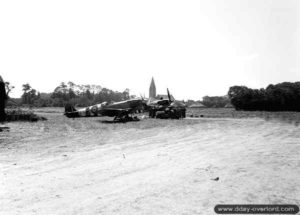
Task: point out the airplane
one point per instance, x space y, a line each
121 111
166 108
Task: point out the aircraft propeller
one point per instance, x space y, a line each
142 97
169 96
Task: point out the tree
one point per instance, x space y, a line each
89 95
25 96
8 88
71 93
3 99
239 96
126 94
280 97
26 87
29 94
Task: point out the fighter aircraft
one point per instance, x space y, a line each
121 111
166 108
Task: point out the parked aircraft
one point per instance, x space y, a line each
121 111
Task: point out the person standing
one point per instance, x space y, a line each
3 98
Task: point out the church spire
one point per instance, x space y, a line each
152 90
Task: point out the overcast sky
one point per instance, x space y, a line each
195 48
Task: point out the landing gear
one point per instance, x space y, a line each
125 118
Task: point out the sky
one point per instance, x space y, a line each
195 48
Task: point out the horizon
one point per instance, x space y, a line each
195 48
144 96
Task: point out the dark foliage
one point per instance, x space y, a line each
3 98
22 115
280 97
70 93
30 95
8 88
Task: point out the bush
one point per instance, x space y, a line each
18 114
280 97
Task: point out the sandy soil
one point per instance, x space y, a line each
87 166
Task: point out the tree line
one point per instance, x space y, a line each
69 93
279 97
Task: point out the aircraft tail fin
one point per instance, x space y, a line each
70 111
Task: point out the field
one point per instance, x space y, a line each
93 166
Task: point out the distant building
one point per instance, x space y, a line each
197 105
152 89
153 95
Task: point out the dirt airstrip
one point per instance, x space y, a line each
91 166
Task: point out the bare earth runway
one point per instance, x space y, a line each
86 166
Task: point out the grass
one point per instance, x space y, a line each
62 131
293 117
